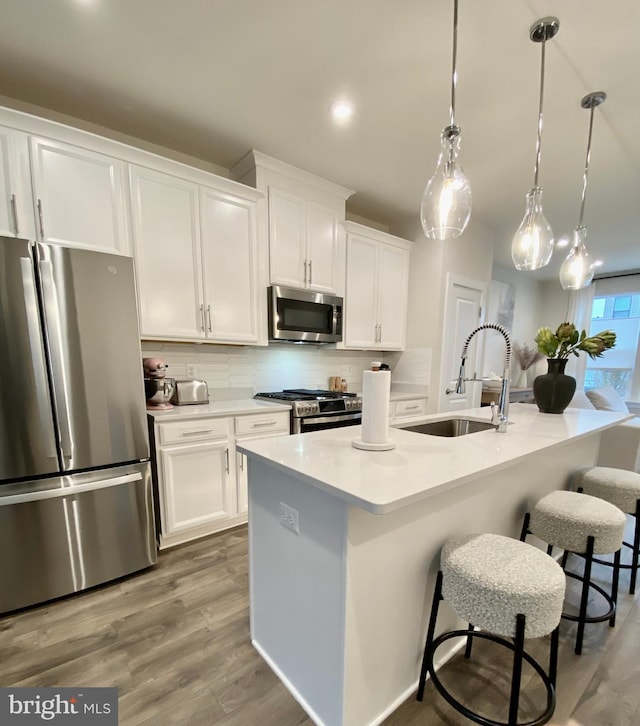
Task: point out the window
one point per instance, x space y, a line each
619 367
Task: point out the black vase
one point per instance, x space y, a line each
554 390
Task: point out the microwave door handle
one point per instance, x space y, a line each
61 386
37 357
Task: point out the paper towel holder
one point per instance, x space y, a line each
385 446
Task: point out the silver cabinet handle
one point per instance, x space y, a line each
226 451
310 272
263 423
305 272
411 408
380 333
14 212
39 205
209 316
202 318
241 462
195 432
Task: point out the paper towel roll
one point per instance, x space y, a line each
376 386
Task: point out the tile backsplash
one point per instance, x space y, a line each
262 369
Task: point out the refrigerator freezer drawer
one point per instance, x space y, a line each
65 535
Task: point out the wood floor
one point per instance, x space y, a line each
175 641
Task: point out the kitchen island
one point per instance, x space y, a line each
344 544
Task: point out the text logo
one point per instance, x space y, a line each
60 706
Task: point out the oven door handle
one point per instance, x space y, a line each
330 418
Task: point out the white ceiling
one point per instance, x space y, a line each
215 78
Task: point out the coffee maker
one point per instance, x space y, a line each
158 388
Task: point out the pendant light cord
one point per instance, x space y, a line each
586 168
453 69
539 141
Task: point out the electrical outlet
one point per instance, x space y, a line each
349 370
191 370
289 518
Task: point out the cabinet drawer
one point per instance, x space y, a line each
173 432
263 423
405 409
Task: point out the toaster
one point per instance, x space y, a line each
188 392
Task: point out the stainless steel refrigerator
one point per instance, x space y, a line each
76 501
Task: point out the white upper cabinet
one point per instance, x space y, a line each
377 280
166 240
196 255
16 200
230 260
302 224
79 196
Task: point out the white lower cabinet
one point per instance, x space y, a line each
401 411
249 428
202 480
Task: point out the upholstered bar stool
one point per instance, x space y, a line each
509 589
586 525
619 487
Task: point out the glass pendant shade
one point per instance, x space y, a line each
578 269
532 244
446 203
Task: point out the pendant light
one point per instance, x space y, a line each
532 244
446 203
577 270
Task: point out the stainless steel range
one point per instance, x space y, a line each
317 410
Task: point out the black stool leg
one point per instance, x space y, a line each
553 656
585 594
636 548
565 556
549 549
614 586
467 650
518 650
437 596
525 527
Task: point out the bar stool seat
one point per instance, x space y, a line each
587 525
621 488
509 589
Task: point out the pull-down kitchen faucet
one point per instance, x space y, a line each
499 416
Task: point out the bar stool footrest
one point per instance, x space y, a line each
591 618
472 715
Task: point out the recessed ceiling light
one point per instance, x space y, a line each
341 111
562 241
598 263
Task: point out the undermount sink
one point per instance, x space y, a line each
451 427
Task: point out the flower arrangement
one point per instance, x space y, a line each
526 355
567 340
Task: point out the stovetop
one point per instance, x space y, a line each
307 402
305 394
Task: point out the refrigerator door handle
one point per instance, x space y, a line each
68 491
37 356
60 384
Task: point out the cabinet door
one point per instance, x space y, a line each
361 294
166 237
322 248
229 253
393 280
287 259
79 195
196 486
16 200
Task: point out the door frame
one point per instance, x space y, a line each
454 280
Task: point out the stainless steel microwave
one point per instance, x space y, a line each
300 316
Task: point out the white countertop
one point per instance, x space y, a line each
217 408
420 465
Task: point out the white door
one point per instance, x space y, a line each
287 258
361 299
463 305
230 259
79 196
196 485
393 276
16 200
166 240
322 248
